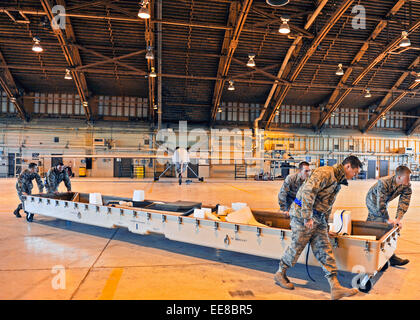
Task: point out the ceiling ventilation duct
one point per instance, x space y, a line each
277 3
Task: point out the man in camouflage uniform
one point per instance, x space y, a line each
291 186
55 176
309 215
384 191
24 187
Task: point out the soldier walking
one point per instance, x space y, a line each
24 187
384 191
309 223
291 186
55 176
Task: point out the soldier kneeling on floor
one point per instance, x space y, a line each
24 187
384 191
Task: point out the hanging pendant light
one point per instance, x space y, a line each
417 77
219 110
251 62
368 94
277 3
152 74
405 42
68 75
144 12
231 86
340 70
37 45
149 54
284 28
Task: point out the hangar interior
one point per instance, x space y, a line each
254 87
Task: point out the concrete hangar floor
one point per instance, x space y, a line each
116 264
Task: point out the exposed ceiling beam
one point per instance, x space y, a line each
109 60
293 51
378 29
383 108
392 46
72 55
335 17
413 127
236 20
133 18
9 85
78 46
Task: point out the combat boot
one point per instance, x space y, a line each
282 280
397 261
337 291
16 212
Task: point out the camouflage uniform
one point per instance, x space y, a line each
24 183
289 190
381 193
54 178
317 196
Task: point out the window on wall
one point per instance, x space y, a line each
123 106
393 119
293 115
58 104
6 106
344 117
238 112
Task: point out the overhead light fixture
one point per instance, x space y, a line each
251 62
417 77
368 94
405 42
152 74
13 99
149 54
155 107
284 28
37 45
85 103
68 75
219 110
333 115
384 117
340 70
231 86
277 112
144 12
277 3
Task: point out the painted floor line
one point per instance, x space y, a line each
111 285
